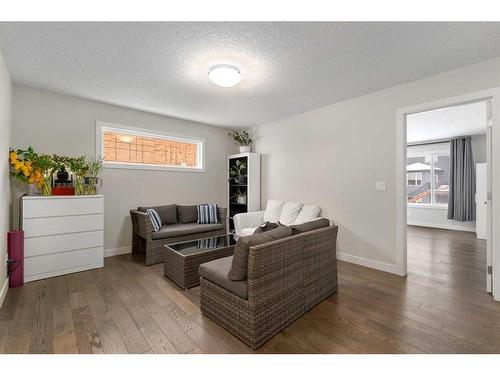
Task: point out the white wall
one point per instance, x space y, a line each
332 156
60 124
5 129
437 216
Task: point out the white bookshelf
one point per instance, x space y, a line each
251 187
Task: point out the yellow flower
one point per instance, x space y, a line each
18 165
13 157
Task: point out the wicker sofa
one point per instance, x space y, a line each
286 278
149 245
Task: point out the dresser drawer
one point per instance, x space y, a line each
38 207
48 226
49 265
35 246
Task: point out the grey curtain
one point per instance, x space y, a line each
461 202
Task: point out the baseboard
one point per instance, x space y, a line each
381 266
3 291
117 251
441 226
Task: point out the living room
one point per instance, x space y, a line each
235 187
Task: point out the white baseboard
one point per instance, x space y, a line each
441 226
3 291
381 266
117 251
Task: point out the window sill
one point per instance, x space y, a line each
428 206
151 167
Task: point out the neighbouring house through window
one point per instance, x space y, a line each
427 174
134 148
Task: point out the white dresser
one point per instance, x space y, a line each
62 234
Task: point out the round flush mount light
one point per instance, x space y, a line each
224 75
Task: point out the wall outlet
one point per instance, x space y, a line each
380 186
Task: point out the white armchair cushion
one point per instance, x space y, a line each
289 212
273 210
244 223
307 213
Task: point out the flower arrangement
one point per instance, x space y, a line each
36 169
32 168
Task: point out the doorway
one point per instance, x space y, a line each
423 185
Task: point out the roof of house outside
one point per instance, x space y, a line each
418 167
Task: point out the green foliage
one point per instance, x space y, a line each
237 171
242 137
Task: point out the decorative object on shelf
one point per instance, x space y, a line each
240 197
78 167
48 174
238 173
33 169
92 183
243 139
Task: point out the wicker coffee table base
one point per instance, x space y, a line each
183 270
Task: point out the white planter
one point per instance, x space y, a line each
245 149
241 200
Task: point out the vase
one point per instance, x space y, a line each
245 149
33 190
241 200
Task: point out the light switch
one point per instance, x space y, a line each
380 186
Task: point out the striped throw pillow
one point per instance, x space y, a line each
155 219
207 214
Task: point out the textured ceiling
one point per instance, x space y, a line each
468 119
287 68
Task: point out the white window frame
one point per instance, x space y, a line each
102 126
418 177
433 153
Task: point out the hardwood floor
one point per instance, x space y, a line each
440 307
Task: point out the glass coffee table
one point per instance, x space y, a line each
182 260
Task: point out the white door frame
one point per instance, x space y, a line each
492 95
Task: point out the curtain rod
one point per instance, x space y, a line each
428 142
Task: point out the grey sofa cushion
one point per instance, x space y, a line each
178 230
216 271
310 225
239 265
187 214
168 213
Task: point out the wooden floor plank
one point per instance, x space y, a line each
42 331
64 331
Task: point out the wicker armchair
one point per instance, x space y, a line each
144 245
286 278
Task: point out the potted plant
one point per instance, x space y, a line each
34 169
238 173
243 139
91 181
78 167
240 197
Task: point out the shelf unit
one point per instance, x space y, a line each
251 187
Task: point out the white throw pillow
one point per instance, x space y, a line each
273 211
307 213
290 212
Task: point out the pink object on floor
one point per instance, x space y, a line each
15 246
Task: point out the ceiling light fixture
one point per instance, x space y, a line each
224 75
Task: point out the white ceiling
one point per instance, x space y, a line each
469 119
287 68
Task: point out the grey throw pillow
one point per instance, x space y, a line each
310 225
187 214
239 265
167 213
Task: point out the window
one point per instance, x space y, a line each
414 178
125 147
427 172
